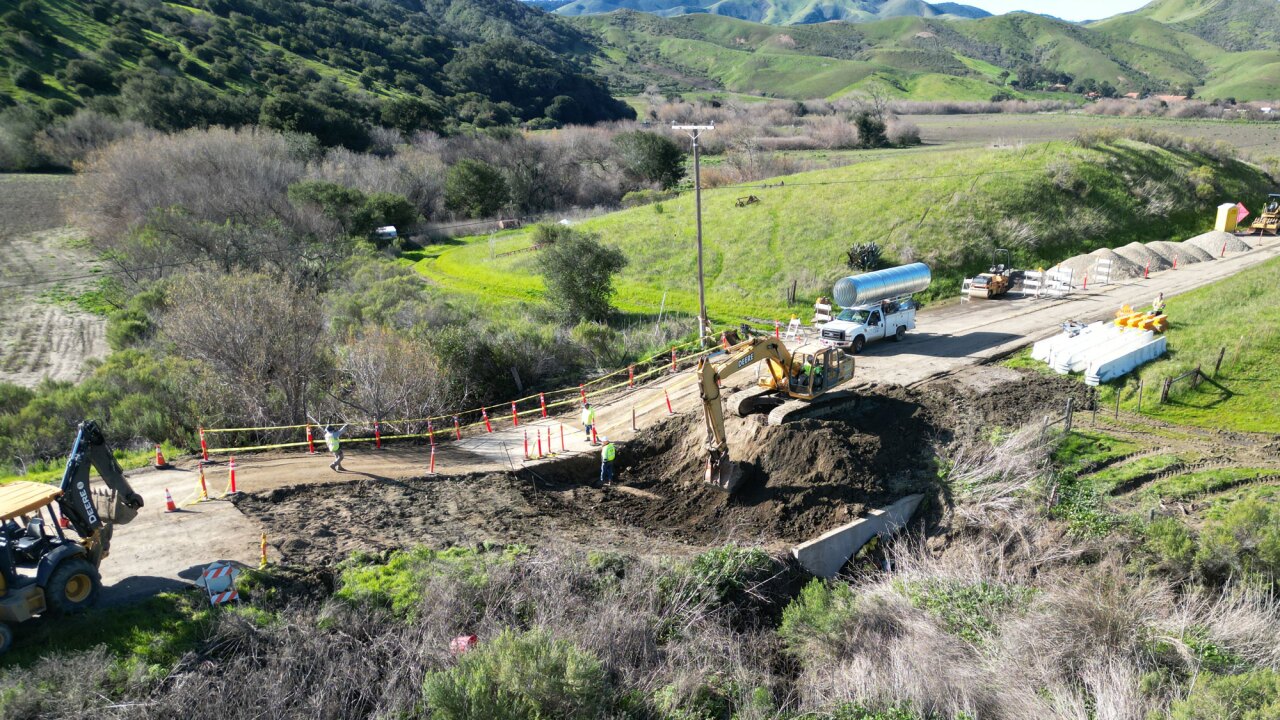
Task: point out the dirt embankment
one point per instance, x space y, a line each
801 479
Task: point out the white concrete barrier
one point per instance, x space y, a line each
826 554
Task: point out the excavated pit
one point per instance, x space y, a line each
801 479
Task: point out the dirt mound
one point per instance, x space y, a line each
800 480
1082 265
1213 241
1144 257
1185 254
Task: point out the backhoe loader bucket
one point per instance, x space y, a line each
723 473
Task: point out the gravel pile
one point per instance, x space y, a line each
1211 242
1141 255
1186 254
1081 265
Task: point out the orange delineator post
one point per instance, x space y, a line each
550 449
542 400
377 435
431 434
595 439
1146 272
673 359
231 483
777 330
311 442
562 438
582 390
1224 251
668 397
1086 281
433 460
631 376
457 428
539 443
262 561
204 489
1175 261
526 444
515 416
485 415
204 449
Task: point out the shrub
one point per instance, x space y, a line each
578 271
651 158
519 676
968 610
28 79
636 198
1243 540
864 256
475 189
816 615
1169 540
1248 696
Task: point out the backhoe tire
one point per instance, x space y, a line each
73 587
6 638
900 333
858 343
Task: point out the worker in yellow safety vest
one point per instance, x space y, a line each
332 438
1157 306
607 454
588 418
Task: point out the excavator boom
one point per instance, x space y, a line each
721 472
77 505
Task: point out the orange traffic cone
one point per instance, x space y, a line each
160 461
231 484
169 505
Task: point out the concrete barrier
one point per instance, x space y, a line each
826 554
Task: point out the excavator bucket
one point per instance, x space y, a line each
722 473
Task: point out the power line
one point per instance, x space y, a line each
763 185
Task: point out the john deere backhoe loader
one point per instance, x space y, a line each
65 569
794 380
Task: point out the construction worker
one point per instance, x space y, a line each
588 418
607 454
1157 306
332 438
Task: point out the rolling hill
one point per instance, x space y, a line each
327 68
781 12
1156 50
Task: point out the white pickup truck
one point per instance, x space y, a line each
854 327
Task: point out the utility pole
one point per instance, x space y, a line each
694 132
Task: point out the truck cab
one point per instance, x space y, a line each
854 327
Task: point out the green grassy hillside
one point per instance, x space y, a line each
948 209
937 59
779 12
315 66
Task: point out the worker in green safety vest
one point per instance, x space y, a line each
588 418
1157 307
332 438
607 454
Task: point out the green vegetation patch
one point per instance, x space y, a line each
967 610
1203 482
398 582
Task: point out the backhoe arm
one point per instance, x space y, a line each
77 503
720 470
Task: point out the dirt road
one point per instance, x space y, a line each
160 547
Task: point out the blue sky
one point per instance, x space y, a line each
1065 9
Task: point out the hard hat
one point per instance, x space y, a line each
604 439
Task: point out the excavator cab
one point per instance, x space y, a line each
794 379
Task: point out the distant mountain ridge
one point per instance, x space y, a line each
782 12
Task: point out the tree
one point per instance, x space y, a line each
475 189
578 271
651 157
871 131
864 256
386 375
336 202
28 79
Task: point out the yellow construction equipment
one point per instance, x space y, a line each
1268 221
997 280
793 381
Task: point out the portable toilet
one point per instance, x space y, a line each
1227 217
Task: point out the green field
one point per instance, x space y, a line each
944 208
1242 315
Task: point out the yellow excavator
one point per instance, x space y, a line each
793 381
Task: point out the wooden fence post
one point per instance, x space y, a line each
1066 425
1195 379
1164 390
1221 352
1140 386
1119 392
1095 406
